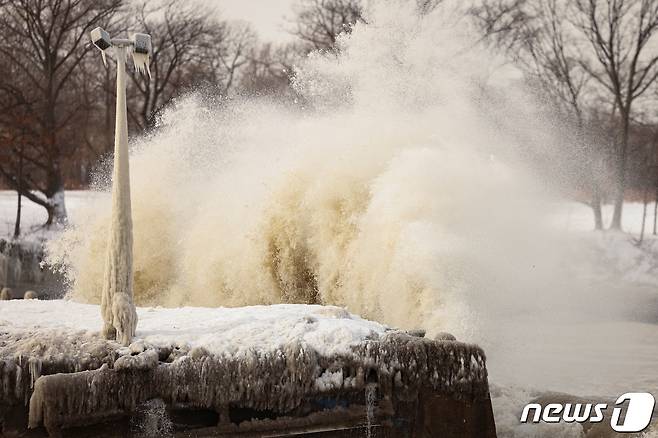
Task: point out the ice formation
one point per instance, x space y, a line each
30 295
5 294
153 420
142 63
117 308
68 376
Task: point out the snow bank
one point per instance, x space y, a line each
327 329
262 357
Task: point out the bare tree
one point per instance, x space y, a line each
623 63
13 138
177 30
44 41
646 179
502 20
427 6
191 48
226 51
537 35
96 93
270 69
319 22
579 49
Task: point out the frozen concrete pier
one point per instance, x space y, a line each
257 371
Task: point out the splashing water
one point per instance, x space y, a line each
398 185
389 190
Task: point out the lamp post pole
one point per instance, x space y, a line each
117 306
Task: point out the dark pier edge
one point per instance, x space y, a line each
420 387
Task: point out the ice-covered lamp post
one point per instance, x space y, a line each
117 307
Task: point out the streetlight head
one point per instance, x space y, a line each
139 45
101 39
142 43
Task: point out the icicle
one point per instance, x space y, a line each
142 61
19 381
371 398
77 379
34 365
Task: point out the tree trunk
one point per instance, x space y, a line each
645 201
619 197
17 226
55 182
621 172
596 207
57 209
655 210
55 197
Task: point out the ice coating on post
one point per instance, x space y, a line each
117 308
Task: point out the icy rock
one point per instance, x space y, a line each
329 380
123 351
163 353
5 294
177 352
444 336
451 368
199 353
24 356
419 333
30 295
136 347
143 361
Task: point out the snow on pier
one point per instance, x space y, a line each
220 330
275 358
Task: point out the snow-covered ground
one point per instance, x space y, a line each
33 216
327 329
575 216
597 361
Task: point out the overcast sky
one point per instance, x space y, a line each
267 16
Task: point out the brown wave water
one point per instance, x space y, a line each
395 186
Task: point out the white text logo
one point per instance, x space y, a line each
636 414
